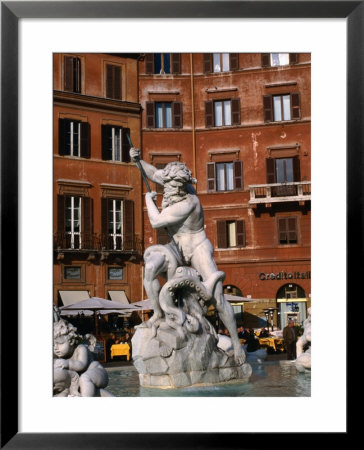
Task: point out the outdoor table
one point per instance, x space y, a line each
274 343
120 350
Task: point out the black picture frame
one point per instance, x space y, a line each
11 13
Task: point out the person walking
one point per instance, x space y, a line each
290 339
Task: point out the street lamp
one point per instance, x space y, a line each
271 314
266 312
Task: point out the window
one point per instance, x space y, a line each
74 222
287 230
282 107
164 115
225 176
220 113
283 170
220 62
115 145
279 59
230 233
72 273
113 81
117 226
114 273
72 74
74 138
162 63
115 223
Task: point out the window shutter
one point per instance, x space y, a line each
270 166
235 111
292 230
238 175
265 59
85 140
125 145
87 222
104 217
240 233
268 108
61 137
128 225
149 63
234 61
176 63
207 63
211 177
282 230
209 114
68 73
295 106
150 117
296 169
109 84
77 81
293 58
105 153
221 234
116 82
177 114
61 202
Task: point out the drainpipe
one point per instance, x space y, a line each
193 119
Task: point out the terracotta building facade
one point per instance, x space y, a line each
98 228
241 123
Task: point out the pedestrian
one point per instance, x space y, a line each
290 339
264 333
252 342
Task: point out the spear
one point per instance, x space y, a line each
178 253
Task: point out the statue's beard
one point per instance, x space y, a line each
173 195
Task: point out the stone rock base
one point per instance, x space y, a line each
176 358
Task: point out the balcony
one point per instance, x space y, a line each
92 242
280 192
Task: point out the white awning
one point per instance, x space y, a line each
70 297
120 297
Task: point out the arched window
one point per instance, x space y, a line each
292 302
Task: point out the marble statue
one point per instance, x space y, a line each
182 344
75 373
303 360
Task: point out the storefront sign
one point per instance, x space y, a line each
285 276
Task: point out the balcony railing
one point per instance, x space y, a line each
96 242
280 192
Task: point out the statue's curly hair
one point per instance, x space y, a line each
177 171
64 328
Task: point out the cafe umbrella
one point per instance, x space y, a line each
98 306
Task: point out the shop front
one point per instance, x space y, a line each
292 304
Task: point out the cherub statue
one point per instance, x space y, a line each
75 371
183 218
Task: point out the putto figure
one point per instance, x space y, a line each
75 373
182 216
